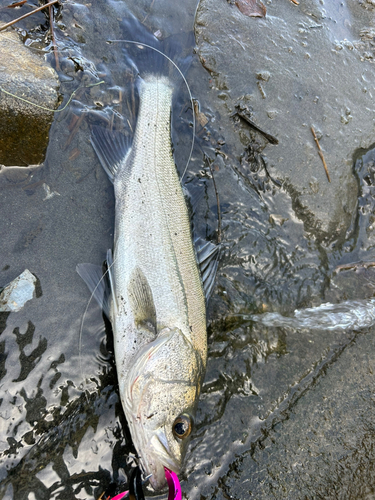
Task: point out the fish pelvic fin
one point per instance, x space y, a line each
141 300
111 147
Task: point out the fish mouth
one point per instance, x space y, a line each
155 458
154 455
159 443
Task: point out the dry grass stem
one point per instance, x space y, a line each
321 154
27 15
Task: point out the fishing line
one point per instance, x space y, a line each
185 81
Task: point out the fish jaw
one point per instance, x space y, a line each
163 384
154 456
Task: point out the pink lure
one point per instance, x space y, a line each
173 484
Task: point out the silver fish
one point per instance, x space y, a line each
157 306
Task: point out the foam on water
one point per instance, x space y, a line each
348 315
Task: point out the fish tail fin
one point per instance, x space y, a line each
169 57
146 55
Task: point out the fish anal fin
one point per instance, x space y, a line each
141 300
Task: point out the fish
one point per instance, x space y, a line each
157 283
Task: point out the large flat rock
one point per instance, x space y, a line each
24 127
300 66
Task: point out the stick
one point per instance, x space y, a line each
270 138
50 12
295 2
354 265
27 15
208 161
17 4
321 154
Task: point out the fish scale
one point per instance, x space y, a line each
160 244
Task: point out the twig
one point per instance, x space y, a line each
50 12
16 4
295 2
354 265
321 154
102 495
208 161
27 15
270 138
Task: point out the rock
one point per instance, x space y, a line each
23 127
18 292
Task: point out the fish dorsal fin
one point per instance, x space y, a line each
98 284
208 261
111 147
141 300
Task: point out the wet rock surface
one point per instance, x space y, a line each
292 69
325 446
24 128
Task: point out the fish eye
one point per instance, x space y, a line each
182 426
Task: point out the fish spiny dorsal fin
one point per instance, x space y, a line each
141 300
208 261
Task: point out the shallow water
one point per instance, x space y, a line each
63 433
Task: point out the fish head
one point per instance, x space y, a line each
160 399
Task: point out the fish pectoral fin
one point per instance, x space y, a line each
97 283
208 261
111 147
141 300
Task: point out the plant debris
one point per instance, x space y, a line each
27 15
251 8
321 154
16 4
244 113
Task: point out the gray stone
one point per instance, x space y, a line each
18 292
24 127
